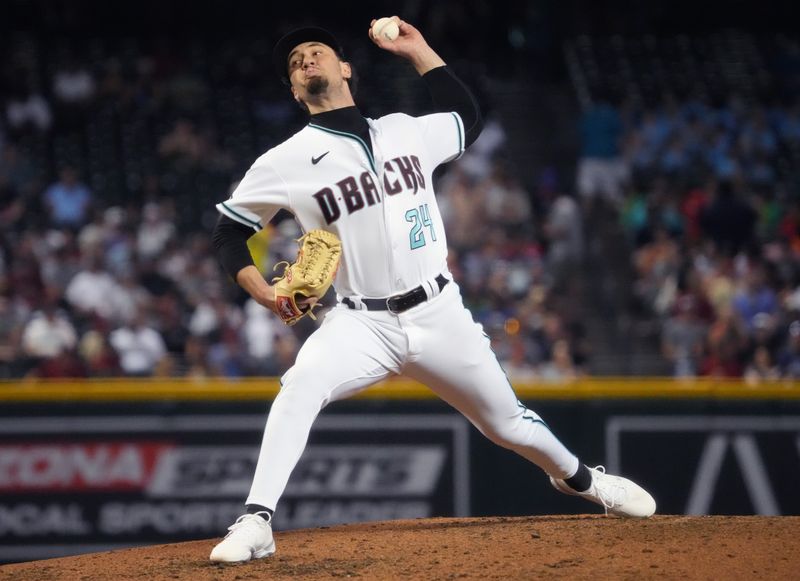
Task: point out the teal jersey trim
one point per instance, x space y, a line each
524 409
256 225
520 405
351 136
460 136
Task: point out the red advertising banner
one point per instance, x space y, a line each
82 466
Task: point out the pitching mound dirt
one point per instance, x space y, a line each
575 547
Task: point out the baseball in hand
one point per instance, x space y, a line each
385 28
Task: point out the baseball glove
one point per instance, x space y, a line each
309 277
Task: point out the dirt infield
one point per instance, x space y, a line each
545 547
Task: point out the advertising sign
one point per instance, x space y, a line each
77 484
711 464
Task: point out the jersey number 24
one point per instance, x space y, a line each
419 217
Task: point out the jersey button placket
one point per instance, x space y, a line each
389 239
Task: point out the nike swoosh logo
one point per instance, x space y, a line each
315 160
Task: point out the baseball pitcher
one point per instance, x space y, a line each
362 191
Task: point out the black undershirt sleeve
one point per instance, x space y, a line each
230 243
449 93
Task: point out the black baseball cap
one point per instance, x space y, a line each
284 47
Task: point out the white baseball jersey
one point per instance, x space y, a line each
382 208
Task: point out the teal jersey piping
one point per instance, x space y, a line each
520 405
460 136
351 136
256 225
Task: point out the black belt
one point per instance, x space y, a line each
398 303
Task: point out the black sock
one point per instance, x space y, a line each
262 511
581 481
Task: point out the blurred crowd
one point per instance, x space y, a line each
708 195
114 153
516 254
694 140
111 161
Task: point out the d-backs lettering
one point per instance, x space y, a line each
400 173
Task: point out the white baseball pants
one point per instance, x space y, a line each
436 343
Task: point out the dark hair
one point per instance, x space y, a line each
287 43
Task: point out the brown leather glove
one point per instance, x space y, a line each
310 276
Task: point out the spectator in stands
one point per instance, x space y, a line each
770 204
129 296
92 236
724 346
68 201
761 368
24 273
155 231
95 350
65 364
227 354
756 302
196 361
675 159
788 123
760 170
17 171
462 209
763 334
478 266
12 323
49 331
169 314
212 314
657 264
61 259
789 227
12 207
564 232
119 244
183 146
600 168
191 267
635 215
518 361
286 347
545 335
27 111
73 92
691 284
718 282
261 337
139 346
789 355
683 337
91 291
507 203
499 301
691 207
729 220
73 84
756 136
561 368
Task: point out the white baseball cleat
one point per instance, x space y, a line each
250 537
618 496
